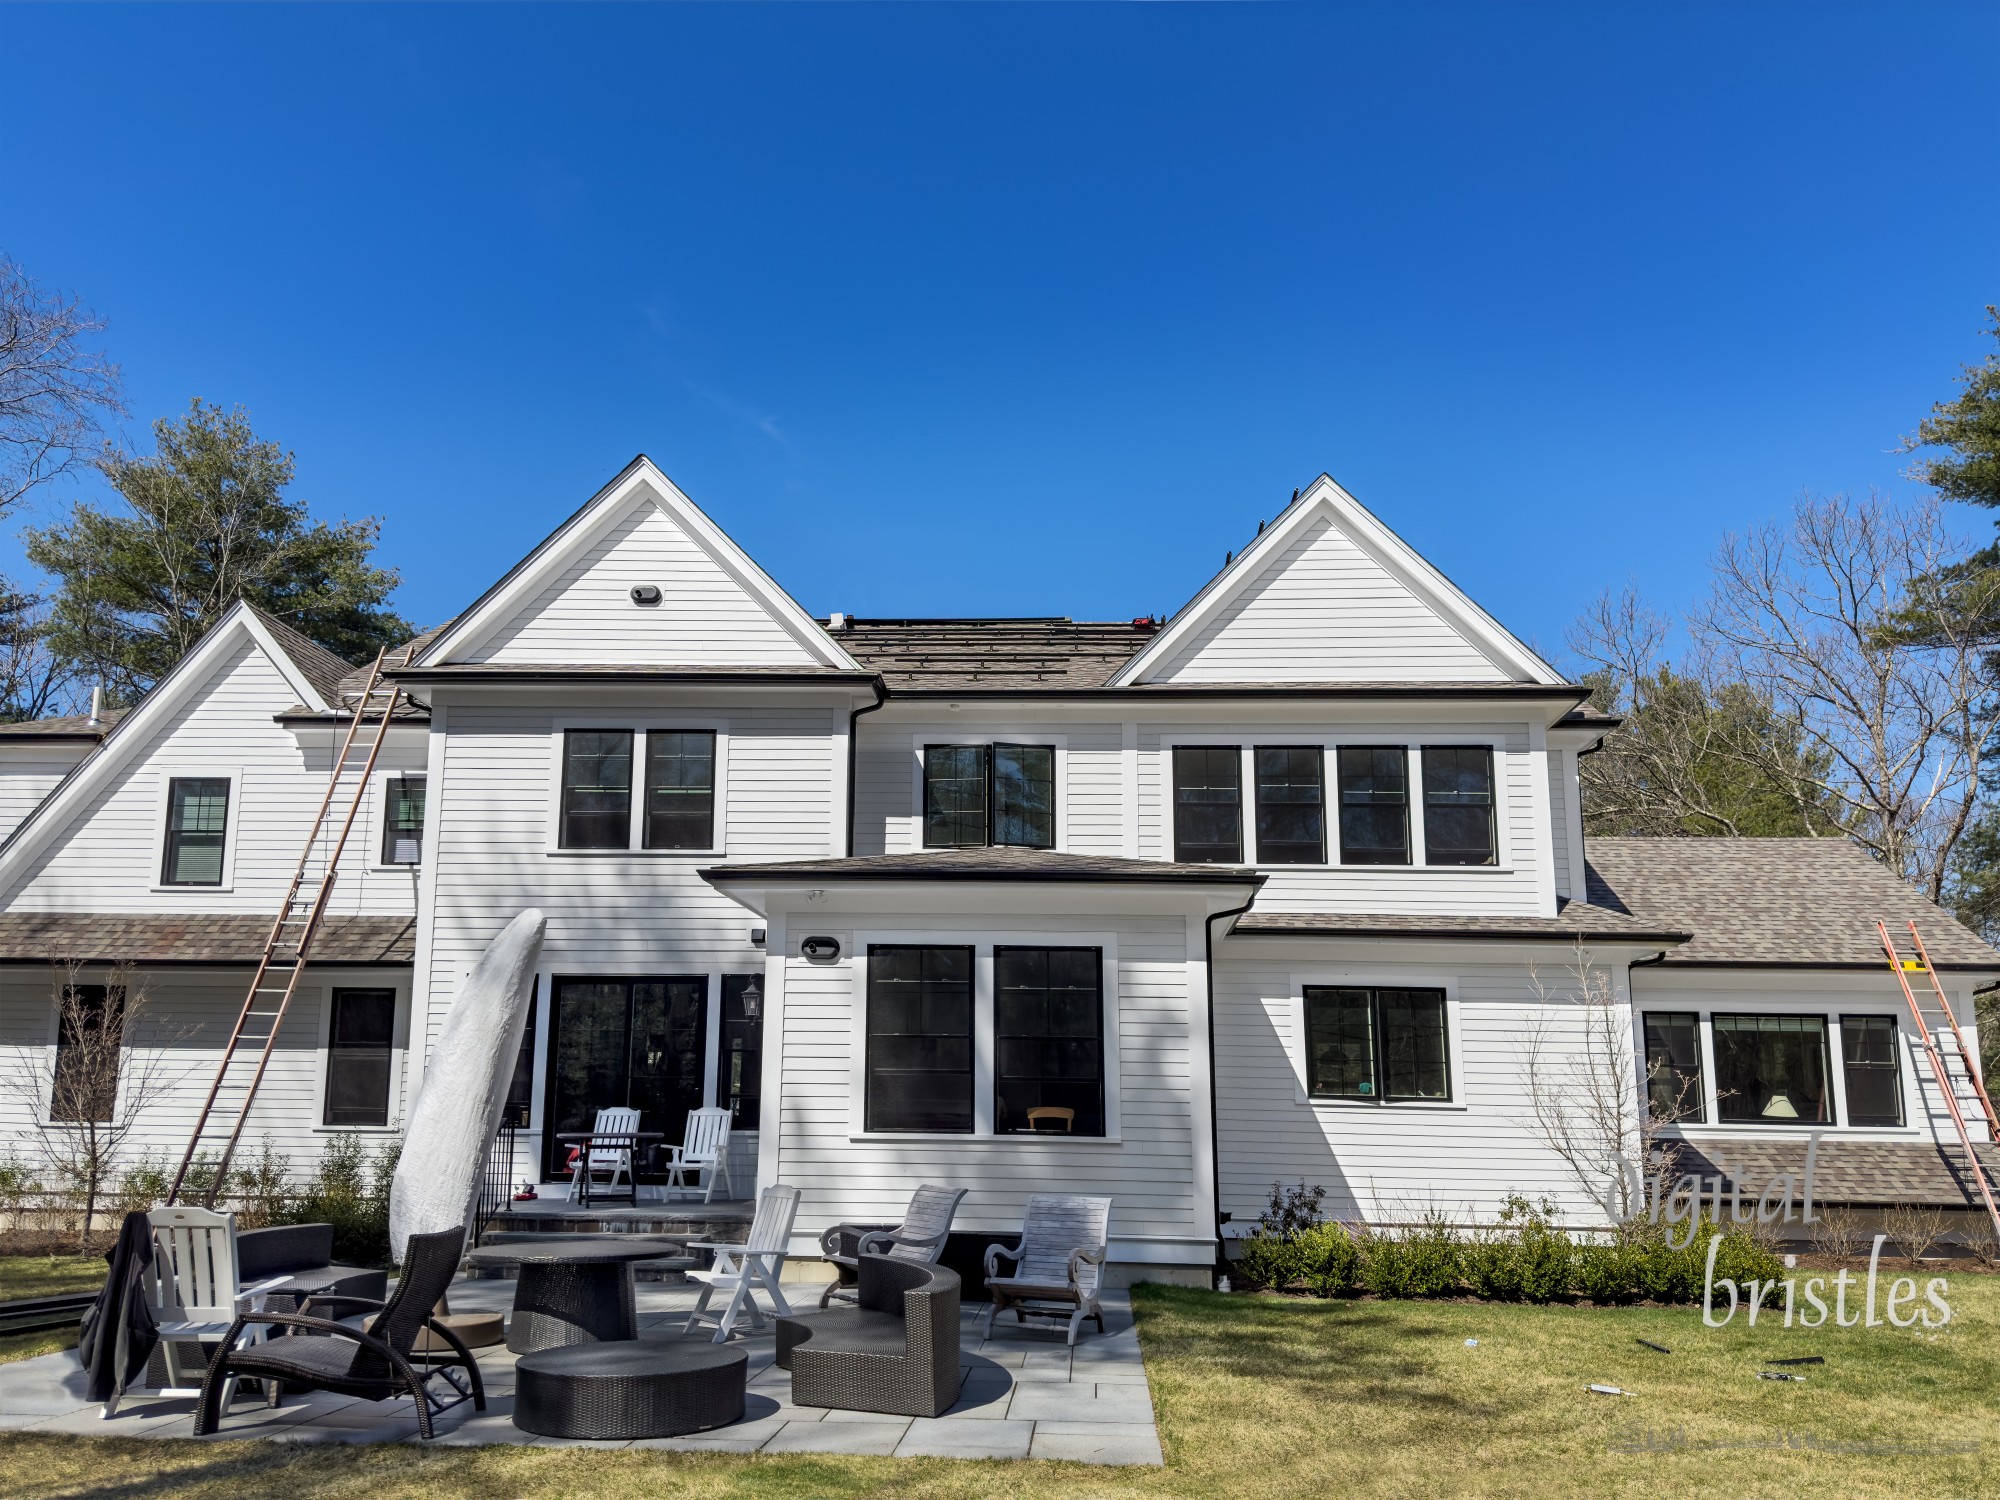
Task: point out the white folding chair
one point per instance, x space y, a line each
706 1149
193 1294
741 1270
593 1158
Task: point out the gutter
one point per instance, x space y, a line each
854 751
1214 1114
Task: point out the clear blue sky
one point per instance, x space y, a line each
956 310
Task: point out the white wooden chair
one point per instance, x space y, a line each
706 1149
593 1158
1058 1261
193 1293
741 1270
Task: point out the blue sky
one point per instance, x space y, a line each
963 310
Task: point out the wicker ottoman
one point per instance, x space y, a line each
634 1388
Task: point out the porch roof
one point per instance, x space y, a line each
991 864
191 938
1864 1172
1577 920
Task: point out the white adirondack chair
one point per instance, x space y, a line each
741 1270
594 1158
193 1293
706 1149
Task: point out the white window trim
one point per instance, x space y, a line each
640 727
919 739
378 817
162 805
45 1096
399 1051
1395 979
982 945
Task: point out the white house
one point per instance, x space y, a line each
1286 887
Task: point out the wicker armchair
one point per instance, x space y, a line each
920 1237
375 1365
1059 1262
896 1351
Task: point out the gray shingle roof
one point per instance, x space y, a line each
1576 920
991 864
1867 1172
316 664
913 655
64 727
1773 901
193 938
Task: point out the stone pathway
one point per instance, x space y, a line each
1025 1395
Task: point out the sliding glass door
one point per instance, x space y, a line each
632 1043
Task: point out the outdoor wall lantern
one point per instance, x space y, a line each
820 950
756 937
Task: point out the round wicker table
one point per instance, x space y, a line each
636 1388
573 1289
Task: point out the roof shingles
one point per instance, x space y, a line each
97 937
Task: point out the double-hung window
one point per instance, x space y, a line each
676 805
1772 1070
1048 1040
976 795
597 789
1873 1071
403 821
919 1042
1208 804
1291 805
680 789
1673 1065
1458 805
1374 805
90 1036
197 828
1377 1045
359 1055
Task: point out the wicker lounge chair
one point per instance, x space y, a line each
376 1366
920 1237
896 1351
1058 1262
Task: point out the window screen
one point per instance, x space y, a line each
1377 1045
1208 800
1458 805
403 821
1673 1065
1291 805
1374 805
1048 1040
680 789
919 1068
197 825
1772 1069
597 789
1874 1076
360 1034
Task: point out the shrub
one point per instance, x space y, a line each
1425 1262
351 1192
1292 1210
1269 1261
1329 1260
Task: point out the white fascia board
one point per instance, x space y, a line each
799 901
287 668
117 748
640 479
1324 497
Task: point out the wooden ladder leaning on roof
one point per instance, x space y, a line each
1943 1046
288 949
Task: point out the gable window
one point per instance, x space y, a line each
919 1048
1772 1070
989 794
1673 1065
90 1033
1374 805
1381 1046
740 1059
359 1041
1291 805
1048 1040
597 789
680 789
1874 1077
197 825
1458 805
1208 803
403 821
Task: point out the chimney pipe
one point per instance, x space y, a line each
96 704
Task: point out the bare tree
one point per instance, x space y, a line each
54 390
34 682
85 1096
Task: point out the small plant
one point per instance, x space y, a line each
1839 1234
1292 1209
1915 1229
1983 1242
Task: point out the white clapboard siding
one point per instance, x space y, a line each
106 859
181 1031
24 783
1149 1172
705 616
1324 610
1562 809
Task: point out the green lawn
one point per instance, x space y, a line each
46 1275
1268 1397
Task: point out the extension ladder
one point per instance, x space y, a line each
288 949
1952 1065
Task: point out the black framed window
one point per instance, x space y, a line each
197 826
989 794
638 1042
1673 1065
519 1110
90 1033
1772 1070
403 821
1208 804
1378 1045
1024 796
1048 1040
359 1042
1374 805
1291 805
1458 805
1874 1074
956 781
680 789
740 1059
597 789
919 1061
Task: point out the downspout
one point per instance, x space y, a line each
854 748
1214 1113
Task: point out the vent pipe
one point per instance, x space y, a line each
96 704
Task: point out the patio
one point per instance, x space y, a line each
1025 1395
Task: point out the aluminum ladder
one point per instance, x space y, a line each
1953 1068
288 949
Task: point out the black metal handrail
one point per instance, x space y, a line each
496 1182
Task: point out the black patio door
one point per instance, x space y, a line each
635 1043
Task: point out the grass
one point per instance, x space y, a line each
47 1275
1267 1397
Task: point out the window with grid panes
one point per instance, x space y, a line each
1208 804
1458 805
1291 805
1374 805
403 821
919 1046
1048 1040
197 826
1673 1065
680 789
597 789
1377 1045
1873 1074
